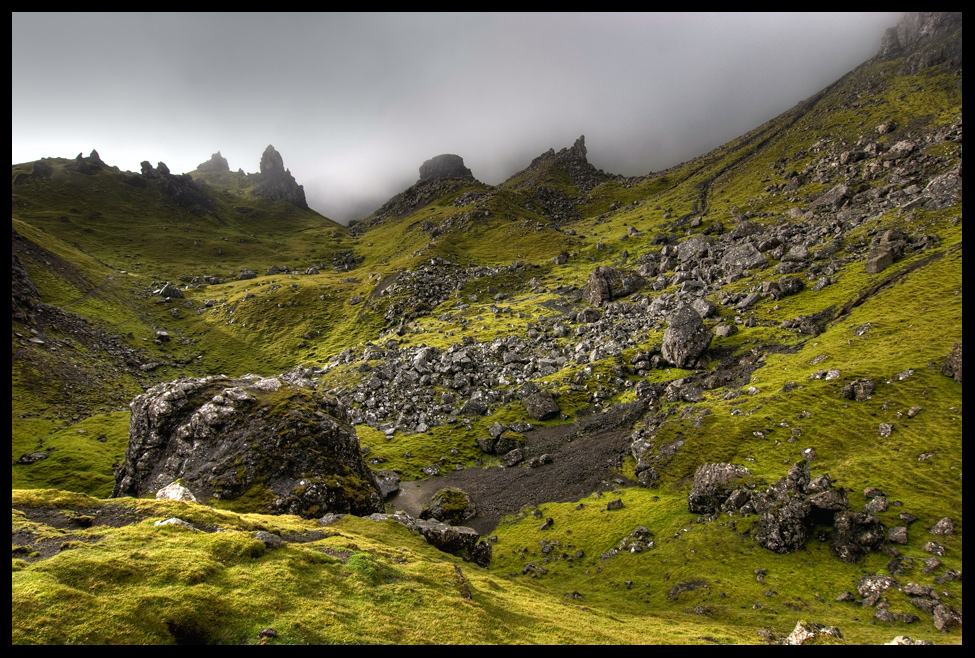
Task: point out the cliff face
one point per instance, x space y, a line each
926 39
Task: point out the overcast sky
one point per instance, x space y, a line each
356 102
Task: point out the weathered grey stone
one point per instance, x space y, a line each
943 527
835 198
607 283
713 483
742 257
782 526
897 535
541 405
806 631
223 437
175 491
169 290
952 366
871 588
855 534
271 540
686 338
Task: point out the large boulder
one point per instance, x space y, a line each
782 528
607 283
686 338
225 438
541 406
449 505
742 257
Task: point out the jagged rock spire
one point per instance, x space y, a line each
216 163
277 182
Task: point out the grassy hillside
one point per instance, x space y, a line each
474 267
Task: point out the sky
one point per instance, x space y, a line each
356 102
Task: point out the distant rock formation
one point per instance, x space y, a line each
41 171
89 165
572 161
216 163
445 166
276 182
925 38
440 175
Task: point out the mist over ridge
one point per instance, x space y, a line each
356 102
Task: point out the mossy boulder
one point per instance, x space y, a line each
228 438
449 505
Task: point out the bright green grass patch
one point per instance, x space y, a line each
82 456
168 584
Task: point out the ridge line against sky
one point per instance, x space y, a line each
355 102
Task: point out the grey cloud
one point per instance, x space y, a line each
356 102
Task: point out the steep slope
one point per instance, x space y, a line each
697 406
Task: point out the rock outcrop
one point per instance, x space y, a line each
276 182
925 38
790 509
256 437
449 505
216 163
572 161
181 188
447 165
713 483
455 539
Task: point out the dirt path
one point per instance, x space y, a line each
585 458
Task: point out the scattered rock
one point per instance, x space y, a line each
952 366
810 632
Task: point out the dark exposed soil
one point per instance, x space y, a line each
30 546
586 456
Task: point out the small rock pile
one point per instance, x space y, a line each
789 509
